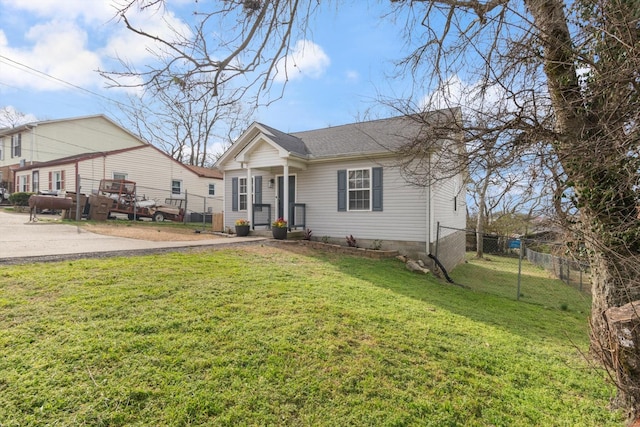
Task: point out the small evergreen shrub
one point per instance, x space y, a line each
20 199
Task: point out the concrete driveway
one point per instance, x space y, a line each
46 239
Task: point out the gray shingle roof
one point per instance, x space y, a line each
363 138
373 137
288 142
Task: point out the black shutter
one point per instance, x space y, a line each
376 188
234 194
342 190
258 192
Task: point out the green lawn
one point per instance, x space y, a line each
267 336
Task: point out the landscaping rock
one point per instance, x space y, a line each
415 266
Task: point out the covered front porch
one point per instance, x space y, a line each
273 197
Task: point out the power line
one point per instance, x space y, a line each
20 65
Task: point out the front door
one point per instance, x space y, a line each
292 195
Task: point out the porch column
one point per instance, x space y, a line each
249 196
285 193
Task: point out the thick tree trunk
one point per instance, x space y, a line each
480 221
604 192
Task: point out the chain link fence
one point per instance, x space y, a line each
198 208
573 272
536 259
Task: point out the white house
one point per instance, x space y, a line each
343 181
157 175
48 140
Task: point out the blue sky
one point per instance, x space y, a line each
46 46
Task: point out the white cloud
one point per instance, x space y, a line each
70 40
481 99
353 76
136 49
90 11
307 59
58 49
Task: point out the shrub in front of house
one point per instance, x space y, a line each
20 199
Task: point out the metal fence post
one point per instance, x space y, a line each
78 217
520 268
204 213
437 237
186 204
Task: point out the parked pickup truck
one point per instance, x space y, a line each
125 200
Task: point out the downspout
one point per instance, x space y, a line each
428 244
33 141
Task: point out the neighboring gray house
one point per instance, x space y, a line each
344 180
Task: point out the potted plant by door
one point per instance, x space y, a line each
242 227
279 229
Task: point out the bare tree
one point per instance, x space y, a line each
568 80
571 81
182 121
10 117
239 43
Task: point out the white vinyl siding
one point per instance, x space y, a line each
263 155
56 139
153 173
446 193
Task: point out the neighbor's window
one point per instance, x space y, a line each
119 176
212 189
57 181
359 190
176 186
16 145
35 178
23 183
1 148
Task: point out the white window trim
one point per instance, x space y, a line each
209 189
14 145
125 175
23 185
370 189
181 189
35 183
253 194
56 178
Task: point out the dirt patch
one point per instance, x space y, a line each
150 232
